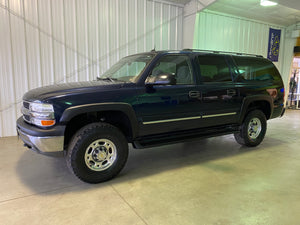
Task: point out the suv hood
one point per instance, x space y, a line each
48 92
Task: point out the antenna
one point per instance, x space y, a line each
153 50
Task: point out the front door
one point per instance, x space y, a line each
167 108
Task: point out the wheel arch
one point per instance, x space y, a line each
120 115
263 103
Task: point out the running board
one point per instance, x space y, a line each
183 136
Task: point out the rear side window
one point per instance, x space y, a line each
250 68
213 68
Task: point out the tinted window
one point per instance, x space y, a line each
177 65
214 68
250 68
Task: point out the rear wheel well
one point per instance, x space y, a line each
116 118
264 106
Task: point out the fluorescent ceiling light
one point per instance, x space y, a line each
267 3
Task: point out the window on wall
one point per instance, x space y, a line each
213 68
177 65
250 68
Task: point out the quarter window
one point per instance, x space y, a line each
250 68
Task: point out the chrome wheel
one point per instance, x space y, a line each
254 128
100 155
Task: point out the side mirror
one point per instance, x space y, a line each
161 79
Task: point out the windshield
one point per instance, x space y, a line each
128 69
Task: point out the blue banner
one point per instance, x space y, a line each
273 47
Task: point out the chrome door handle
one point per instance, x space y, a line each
231 92
194 94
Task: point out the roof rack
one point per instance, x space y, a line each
221 52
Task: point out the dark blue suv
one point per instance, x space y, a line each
151 99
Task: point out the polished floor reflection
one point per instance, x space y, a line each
212 181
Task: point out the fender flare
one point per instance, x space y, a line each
125 108
256 98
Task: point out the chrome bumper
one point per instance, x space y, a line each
44 141
52 146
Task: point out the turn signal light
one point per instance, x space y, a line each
47 122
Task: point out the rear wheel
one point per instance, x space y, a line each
97 152
253 129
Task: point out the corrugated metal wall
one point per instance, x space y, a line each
215 31
45 42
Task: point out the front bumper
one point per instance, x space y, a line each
44 141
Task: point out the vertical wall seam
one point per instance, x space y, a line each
41 81
117 29
169 28
161 26
65 40
153 25
176 29
26 47
77 44
99 41
52 44
87 60
108 34
145 25
127 22
12 59
136 26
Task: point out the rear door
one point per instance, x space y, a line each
220 98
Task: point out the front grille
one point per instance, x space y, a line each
25 111
26 118
26 104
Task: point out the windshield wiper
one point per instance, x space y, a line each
108 78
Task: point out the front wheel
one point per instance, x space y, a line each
253 129
97 152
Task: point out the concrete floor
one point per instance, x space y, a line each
212 181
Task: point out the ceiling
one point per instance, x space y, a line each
286 13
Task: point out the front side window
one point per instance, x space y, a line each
213 68
178 66
129 68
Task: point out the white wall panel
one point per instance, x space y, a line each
32 35
7 96
46 42
214 31
69 16
58 40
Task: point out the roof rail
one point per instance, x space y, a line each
221 52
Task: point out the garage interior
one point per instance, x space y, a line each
210 181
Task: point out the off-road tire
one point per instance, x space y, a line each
247 136
77 152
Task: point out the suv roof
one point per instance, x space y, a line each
206 51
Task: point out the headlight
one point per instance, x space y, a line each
40 114
40 107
